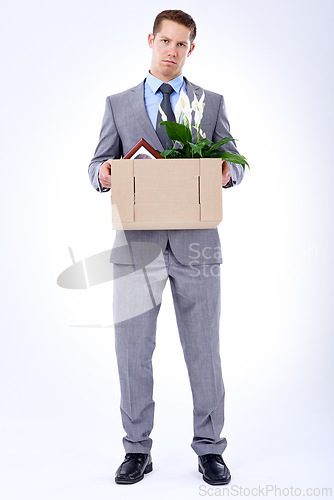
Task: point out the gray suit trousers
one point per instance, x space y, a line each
197 303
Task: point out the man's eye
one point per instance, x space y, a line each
182 44
165 40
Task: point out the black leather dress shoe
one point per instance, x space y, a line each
133 468
214 469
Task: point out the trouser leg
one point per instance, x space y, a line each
136 304
197 303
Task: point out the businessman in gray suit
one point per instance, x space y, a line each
190 258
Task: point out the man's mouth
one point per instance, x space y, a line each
170 62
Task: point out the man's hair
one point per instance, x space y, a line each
178 16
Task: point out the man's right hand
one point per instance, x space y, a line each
105 174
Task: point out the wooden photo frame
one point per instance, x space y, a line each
142 150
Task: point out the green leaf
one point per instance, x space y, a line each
197 148
234 158
171 153
177 131
222 142
205 142
187 151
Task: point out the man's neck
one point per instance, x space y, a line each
164 79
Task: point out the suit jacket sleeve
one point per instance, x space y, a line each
109 146
222 130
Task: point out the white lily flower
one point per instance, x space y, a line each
198 108
183 107
179 109
201 101
202 134
163 114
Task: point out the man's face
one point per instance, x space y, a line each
170 48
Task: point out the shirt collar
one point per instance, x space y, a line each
154 82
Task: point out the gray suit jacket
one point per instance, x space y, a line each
125 121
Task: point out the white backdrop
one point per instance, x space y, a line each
60 420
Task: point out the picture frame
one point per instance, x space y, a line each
142 150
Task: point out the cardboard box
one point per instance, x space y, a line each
166 193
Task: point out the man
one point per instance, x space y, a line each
130 115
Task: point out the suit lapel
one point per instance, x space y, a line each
140 114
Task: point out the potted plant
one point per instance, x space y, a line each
180 132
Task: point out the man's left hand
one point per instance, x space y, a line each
226 173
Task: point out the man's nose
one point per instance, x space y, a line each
172 51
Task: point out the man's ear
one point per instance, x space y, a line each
192 46
150 40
